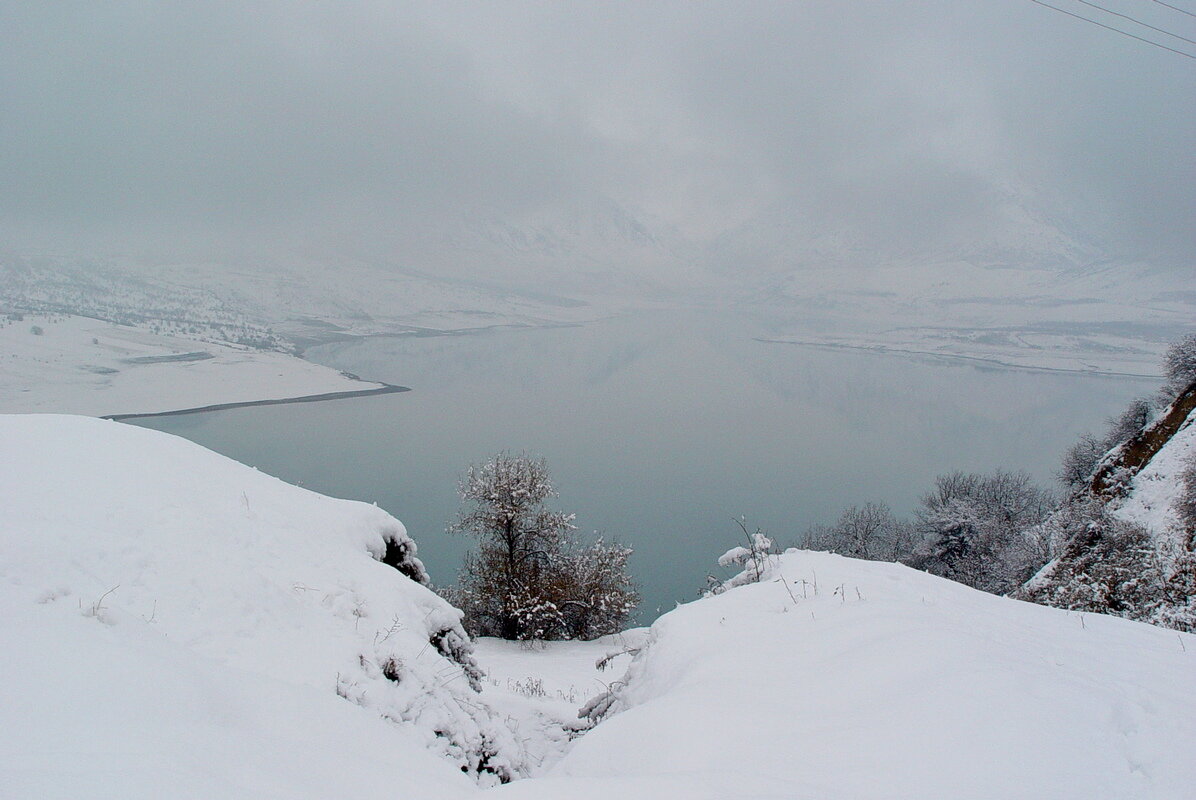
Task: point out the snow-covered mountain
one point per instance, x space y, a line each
1010 280
1003 227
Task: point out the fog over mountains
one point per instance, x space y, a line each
390 164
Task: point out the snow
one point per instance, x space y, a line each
563 673
123 712
171 614
180 625
78 365
1106 319
854 679
1155 488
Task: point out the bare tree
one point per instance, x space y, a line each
870 532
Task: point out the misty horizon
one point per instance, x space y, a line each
660 142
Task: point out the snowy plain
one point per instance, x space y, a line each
77 365
180 625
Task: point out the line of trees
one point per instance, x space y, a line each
1003 534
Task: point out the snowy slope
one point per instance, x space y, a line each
851 679
174 616
179 625
1154 489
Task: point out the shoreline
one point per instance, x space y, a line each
985 361
385 388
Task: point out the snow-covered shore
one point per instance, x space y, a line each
77 365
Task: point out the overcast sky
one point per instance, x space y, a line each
235 125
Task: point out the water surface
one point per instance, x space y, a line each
659 431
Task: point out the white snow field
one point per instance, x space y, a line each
837 678
177 625
78 365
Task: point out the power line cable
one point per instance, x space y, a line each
1136 21
1115 30
1174 8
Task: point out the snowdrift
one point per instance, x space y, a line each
851 679
181 625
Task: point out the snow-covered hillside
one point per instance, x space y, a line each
849 679
176 619
179 625
1154 489
1121 544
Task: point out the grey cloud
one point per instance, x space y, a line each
349 126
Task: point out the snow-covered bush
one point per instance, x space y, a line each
753 561
1082 458
1113 566
1185 503
598 595
529 579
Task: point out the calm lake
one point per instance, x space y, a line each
659 430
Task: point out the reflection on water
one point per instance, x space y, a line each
658 431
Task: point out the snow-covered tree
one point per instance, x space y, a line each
1082 458
980 529
1180 364
529 578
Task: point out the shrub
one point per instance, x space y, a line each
529 579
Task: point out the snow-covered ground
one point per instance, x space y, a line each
850 679
180 625
76 365
1114 319
559 675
